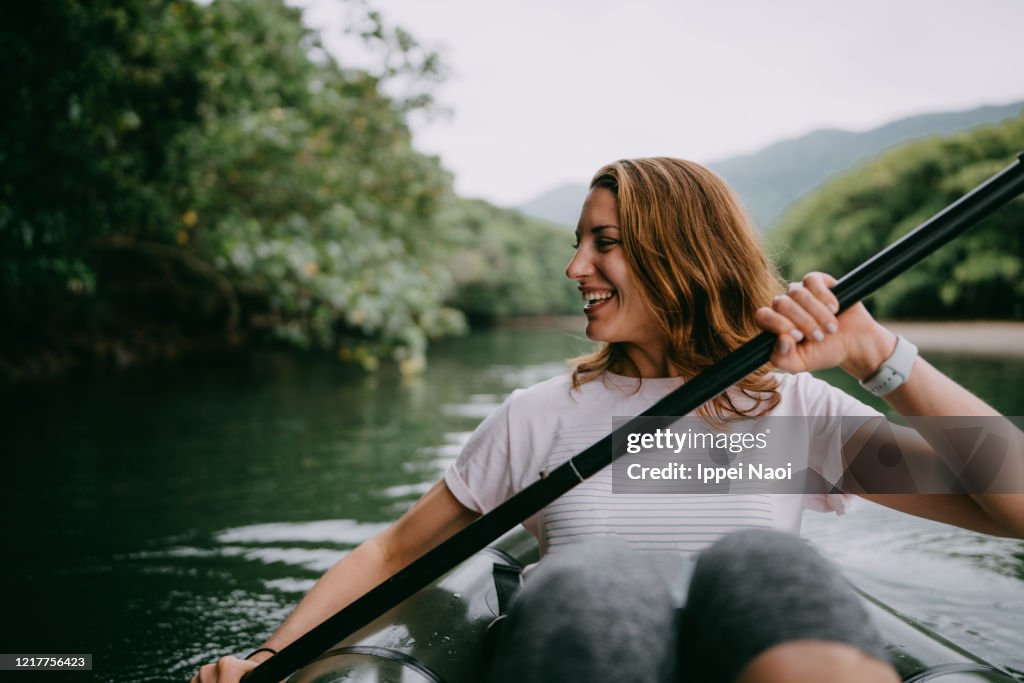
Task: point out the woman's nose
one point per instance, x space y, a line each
580 266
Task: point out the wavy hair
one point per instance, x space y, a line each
701 270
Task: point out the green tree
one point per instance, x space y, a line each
89 99
505 263
177 172
849 219
173 161
301 185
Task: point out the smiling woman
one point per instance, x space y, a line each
674 279
669 264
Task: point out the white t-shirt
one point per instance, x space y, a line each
539 428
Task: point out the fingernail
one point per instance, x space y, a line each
783 346
832 328
834 307
797 334
818 336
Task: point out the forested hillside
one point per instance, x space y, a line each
980 275
772 178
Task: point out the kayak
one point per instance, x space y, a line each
439 634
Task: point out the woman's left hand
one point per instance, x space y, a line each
811 337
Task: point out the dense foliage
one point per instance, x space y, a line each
173 171
977 276
88 101
505 263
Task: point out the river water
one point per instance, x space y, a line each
163 517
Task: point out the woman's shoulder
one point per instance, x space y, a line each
801 382
555 388
544 397
804 394
561 393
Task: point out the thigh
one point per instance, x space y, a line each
756 589
594 611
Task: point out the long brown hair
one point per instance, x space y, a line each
701 270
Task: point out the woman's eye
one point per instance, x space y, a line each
604 244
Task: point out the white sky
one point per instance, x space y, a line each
545 92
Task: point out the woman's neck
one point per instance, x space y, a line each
644 362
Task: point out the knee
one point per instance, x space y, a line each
771 554
756 590
594 582
588 613
596 567
757 543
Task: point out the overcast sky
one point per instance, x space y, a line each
543 92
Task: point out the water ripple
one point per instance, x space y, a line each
322 531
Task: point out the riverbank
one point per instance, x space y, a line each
983 338
976 338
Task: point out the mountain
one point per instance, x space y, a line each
560 205
771 179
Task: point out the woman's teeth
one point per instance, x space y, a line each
592 298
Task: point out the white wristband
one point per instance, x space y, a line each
895 370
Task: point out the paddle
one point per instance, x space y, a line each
854 286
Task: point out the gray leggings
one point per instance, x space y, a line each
602 612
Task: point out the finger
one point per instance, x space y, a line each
776 323
821 284
825 278
823 318
802 323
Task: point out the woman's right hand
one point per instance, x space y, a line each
228 669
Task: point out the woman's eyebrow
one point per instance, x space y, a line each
596 228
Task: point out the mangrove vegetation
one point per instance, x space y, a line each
178 175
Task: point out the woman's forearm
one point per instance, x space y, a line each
349 578
433 518
929 392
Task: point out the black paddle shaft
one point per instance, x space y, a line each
854 286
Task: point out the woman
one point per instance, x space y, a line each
673 279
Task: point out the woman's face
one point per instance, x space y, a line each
613 306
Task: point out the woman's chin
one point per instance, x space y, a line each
594 332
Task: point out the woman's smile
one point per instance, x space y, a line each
596 299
